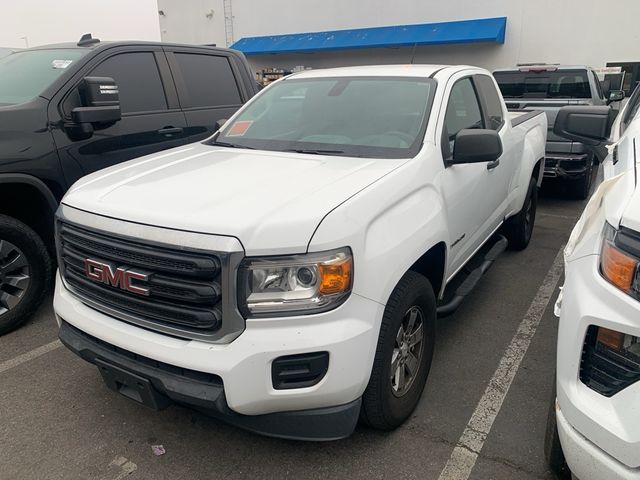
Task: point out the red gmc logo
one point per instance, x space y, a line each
120 277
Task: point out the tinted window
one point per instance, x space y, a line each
138 80
209 80
463 110
380 117
25 75
544 84
598 85
491 100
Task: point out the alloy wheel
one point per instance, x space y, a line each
407 351
14 276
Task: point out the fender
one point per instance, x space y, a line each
21 178
388 229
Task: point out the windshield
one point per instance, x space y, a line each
544 84
377 117
25 75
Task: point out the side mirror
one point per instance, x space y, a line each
219 124
590 126
476 146
100 100
616 96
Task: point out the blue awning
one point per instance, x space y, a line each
463 31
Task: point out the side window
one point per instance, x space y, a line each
138 80
492 102
208 79
463 111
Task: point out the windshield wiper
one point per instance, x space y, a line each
230 145
314 151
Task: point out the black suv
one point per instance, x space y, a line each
70 109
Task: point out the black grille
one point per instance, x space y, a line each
604 370
184 288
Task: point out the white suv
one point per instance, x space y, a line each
597 408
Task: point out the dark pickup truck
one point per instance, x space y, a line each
67 110
549 88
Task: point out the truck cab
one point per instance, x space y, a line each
68 110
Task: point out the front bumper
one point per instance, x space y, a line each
611 425
155 384
349 334
586 460
566 166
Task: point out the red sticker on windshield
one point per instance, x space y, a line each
239 128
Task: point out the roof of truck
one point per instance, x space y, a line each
409 70
534 66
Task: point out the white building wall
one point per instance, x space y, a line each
556 31
37 22
192 21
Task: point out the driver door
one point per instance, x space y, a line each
472 197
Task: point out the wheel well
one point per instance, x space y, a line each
431 265
27 204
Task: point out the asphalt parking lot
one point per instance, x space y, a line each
58 420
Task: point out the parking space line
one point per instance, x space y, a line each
464 455
25 357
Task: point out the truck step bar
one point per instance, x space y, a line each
472 277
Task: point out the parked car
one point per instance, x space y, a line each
593 428
548 88
71 109
285 275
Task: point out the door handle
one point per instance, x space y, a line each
494 164
170 131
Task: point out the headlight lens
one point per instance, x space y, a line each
296 284
618 261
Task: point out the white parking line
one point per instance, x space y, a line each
25 357
464 455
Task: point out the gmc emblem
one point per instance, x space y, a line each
120 277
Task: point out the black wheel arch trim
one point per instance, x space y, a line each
22 178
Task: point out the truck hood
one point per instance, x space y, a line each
271 201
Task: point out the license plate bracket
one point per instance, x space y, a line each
132 386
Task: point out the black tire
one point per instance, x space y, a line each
385 405
519 228
553 454
19 298
580 189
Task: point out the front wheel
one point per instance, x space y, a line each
552 448
519 228
403 355
25 269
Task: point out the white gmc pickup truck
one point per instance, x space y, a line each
286 274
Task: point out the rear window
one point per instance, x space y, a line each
544 84
209 80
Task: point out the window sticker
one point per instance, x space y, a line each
59 64
238 129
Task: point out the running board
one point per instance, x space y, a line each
473 277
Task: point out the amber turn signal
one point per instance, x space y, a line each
618 267
335 277
610 338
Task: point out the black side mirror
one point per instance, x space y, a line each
590 126
219 124
100 100
476 146
615 96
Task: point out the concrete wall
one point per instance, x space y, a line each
192 21
554 31
37 22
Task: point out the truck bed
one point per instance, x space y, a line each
520 116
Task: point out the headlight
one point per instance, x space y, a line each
296 284
619 259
